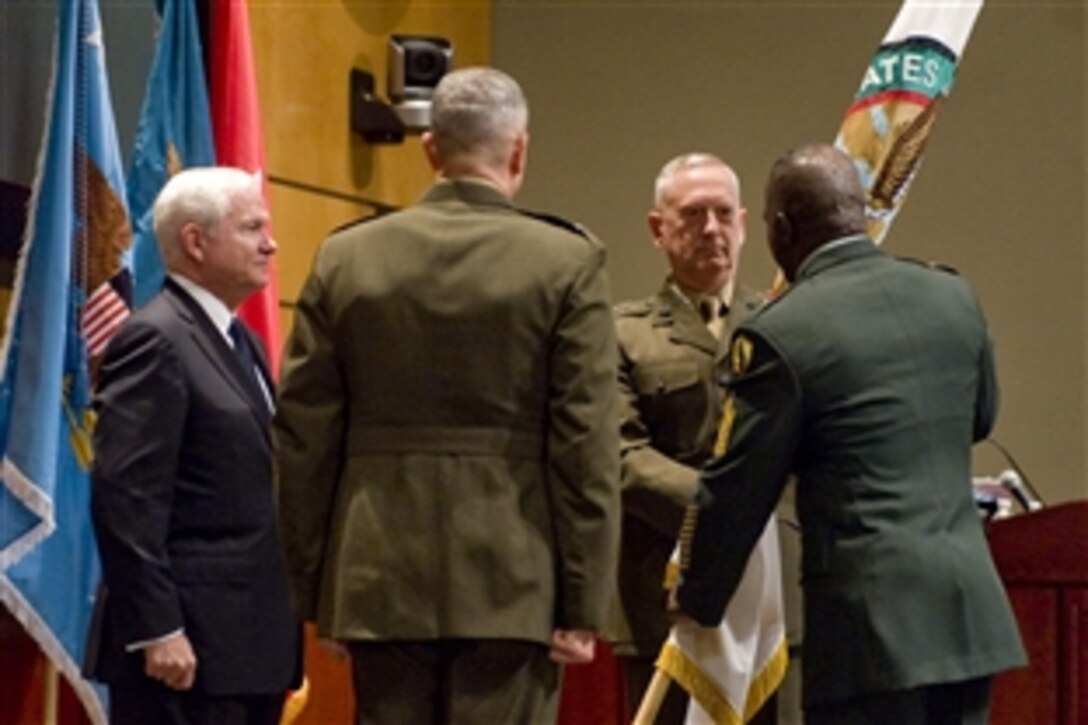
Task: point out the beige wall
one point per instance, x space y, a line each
616 89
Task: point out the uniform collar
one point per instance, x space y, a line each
835 251
692 299
675 311
467 190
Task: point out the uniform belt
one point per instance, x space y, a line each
437 439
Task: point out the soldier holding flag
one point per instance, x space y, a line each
869 379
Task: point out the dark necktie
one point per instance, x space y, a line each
244 352
713 312
706 310
241 346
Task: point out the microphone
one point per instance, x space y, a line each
1016 482
988 505
1012 482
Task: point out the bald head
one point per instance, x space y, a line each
813 196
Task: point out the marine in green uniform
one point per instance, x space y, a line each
448 454
671 349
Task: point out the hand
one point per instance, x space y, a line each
334 647
572 646
672 604
171 661
674 610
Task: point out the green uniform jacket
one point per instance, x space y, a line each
448 457
870 379
670 400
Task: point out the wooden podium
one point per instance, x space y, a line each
1043 560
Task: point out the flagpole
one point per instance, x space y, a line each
652 698
49 693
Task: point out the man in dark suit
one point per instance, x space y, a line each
193 624
447 446
869 378
670 349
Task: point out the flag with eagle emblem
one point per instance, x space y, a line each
71 292
886 128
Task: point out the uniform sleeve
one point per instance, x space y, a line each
655 487
583 450
132 482
740 486
309 433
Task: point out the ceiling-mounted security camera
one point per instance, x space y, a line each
416 65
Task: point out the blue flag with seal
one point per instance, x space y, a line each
71 286
174 132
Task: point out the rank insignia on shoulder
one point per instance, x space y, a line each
930 264
361 220
556 221
740 354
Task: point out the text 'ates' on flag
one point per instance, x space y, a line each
886 127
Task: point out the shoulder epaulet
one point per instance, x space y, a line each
930 264
573 227
633 308
361 220
766 301
748 301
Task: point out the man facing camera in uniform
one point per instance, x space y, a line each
447 451
869 379
193 624
670 346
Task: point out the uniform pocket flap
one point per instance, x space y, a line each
662 379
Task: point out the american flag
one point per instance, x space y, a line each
103 313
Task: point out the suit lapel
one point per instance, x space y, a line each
257 346
211 343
